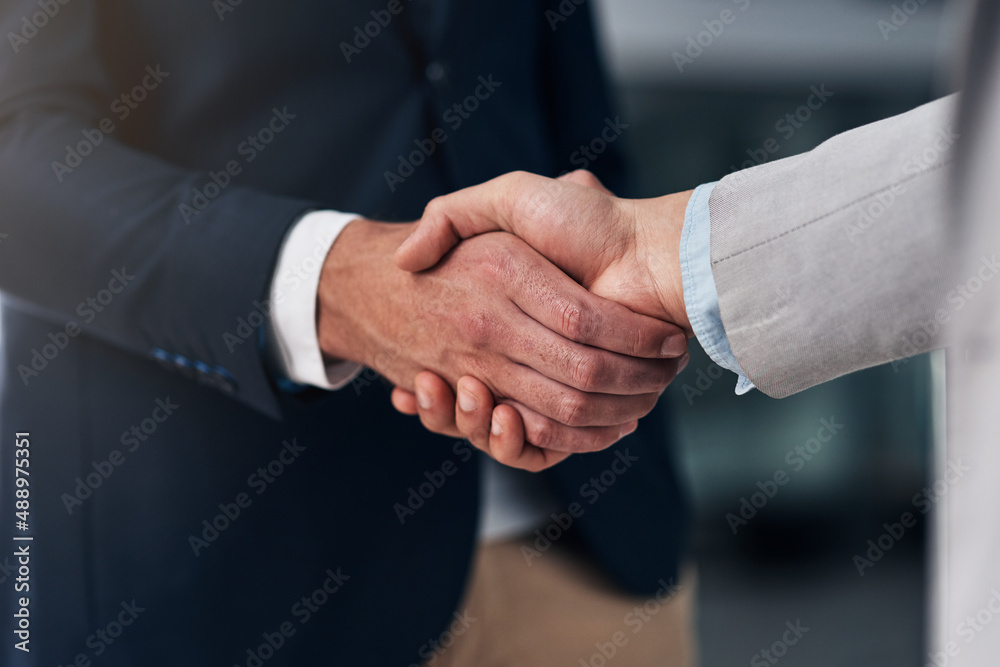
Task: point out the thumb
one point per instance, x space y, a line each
430 240
461 215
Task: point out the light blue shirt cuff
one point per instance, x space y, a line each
701 298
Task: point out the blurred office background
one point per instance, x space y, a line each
692 119
793 560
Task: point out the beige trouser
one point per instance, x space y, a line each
560 611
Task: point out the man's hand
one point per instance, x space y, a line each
497 310
627 251
624 250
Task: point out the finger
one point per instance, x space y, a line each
550 435
589 369
498 431
509 447
556 301
436 404
586 179
404 401
483 208
507 443
567 405
511 442
474 412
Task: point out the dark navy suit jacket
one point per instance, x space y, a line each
186 510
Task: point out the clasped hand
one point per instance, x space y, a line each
625 251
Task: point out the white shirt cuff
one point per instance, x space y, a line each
293 341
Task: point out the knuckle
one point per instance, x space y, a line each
546 435
588 371
478 327
575 320
573 409
649 376
433 208
640 341
660 382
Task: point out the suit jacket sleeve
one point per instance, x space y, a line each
836 260
119 210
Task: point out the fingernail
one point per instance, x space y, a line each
467 401
674 345
628 429
682 364
497 428
424 398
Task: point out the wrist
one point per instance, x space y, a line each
659 223
357 267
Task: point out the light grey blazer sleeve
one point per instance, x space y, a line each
836 260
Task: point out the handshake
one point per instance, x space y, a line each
554 309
